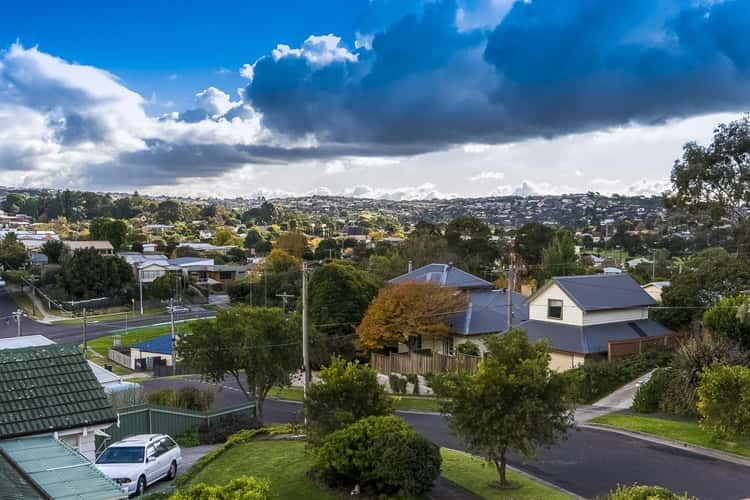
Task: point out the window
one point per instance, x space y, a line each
554 308
448 346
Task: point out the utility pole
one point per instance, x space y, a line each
174 343
84 329
18 315
284 299
305 332
509 292
653 267
140 287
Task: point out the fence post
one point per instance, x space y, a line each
150 428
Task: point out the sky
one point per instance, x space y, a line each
398 99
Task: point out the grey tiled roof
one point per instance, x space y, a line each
593 338
487 313
443 275
600 292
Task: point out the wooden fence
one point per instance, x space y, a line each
617 349
152 419
423 364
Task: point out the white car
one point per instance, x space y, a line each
178 309
139 461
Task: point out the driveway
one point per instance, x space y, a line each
621 399
589 463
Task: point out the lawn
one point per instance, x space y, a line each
409 403
285 464
133 336
475 475
676 430
25 303
99 360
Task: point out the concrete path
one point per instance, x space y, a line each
621 399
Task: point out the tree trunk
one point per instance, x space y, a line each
259 408
500 465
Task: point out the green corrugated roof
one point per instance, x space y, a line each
57 469
12 485
49 388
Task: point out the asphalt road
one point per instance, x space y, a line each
68 334
589 463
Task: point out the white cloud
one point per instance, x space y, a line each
487 175
363 41
247 71
318 50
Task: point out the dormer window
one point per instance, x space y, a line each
554 308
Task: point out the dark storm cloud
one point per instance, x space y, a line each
549 68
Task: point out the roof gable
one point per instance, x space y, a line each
49 388
443 275
601 292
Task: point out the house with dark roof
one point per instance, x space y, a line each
486 312
580 315
50 390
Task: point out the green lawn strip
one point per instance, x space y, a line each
476 475
283 463
134 336
25 303
676 430
110 317
410 403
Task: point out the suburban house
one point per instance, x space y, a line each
50 390
143 356
207 247
42 467
580 315
485 314
655 288
103 247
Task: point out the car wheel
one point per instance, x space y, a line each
141 489
172 471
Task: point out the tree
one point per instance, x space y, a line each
261 343
114 231
513 402
714 180
225 237
346 393
328 248
339 295
164 287
12 253
724 400
530 242
168 212
385 267
469 239
409 309
559 258
87 274
728 318
292 242
706 278
252 238
54 250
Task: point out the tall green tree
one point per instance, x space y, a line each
54 250
513 402
259 347
87 274
559 258
12 253
112 230
530 242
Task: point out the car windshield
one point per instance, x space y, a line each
121 455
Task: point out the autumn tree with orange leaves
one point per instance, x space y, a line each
409 309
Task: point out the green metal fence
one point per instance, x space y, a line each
152 419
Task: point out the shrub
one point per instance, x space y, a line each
724 319
690 359
649 395
724 400
639 492
188 397
246 488
220 430
593 381
348 392
469 347
397 383
188 439
383 455
413 379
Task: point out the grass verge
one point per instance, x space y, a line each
408 403
110 317
99 360
286 463
25 303
475 475
676 430
134 336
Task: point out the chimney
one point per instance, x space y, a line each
409 266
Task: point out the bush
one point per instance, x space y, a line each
413 379
397 383
723 319
593 381
348 392
649 395
188 397
470 348
639 492
188 439
219 431
383 455
690 360
246 488
724 400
